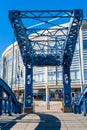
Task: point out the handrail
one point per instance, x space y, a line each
8 90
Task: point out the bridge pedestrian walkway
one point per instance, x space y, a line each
44 121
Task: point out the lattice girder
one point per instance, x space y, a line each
47 39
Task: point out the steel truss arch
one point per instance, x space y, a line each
47 42
9 99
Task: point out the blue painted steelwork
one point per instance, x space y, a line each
68 55
6 102
67 85
82 95
28 89
82 102
47 43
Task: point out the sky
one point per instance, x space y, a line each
6 31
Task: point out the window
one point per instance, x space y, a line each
75 74
9 62
51 75
85 74
84 44
35 78
38 77
77 46
59 75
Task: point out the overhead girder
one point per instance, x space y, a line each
37 42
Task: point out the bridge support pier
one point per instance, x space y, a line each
28 96
28 109
67 88
67 109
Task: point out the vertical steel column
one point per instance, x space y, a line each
28 96
9 105
4 106
84 105
15 108
67 88
1 96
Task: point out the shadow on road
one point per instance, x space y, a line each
42 122
9 124
48 122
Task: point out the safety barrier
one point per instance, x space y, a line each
81 105
8 101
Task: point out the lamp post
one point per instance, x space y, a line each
47 89
18 77
81 59
12 65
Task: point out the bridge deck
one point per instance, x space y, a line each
44 121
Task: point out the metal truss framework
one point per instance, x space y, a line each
8 100
45 41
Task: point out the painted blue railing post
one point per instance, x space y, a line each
9 105
6 102
84 106
16 109
4 106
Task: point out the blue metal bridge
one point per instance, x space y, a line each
8 101
81 105
45 39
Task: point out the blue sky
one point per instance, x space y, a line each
6 32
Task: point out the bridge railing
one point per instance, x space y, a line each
8 101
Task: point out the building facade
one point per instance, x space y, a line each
1 68
47 79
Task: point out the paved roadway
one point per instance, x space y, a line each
46 120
